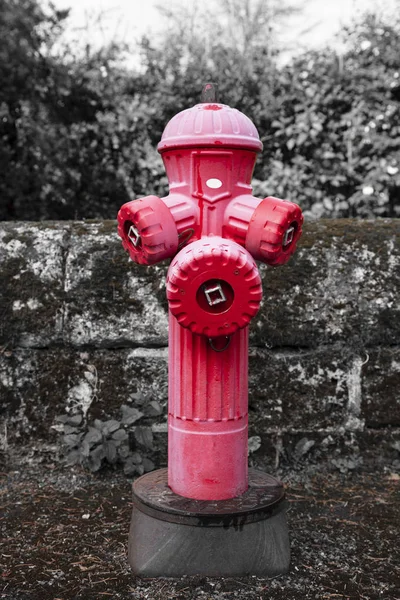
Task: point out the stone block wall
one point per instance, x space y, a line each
83 334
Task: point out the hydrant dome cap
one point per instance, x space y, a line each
210 124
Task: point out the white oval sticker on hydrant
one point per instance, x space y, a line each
214 183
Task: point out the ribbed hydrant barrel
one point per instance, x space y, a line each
214 289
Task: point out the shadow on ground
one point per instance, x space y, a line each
64 536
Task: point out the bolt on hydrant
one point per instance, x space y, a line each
207 514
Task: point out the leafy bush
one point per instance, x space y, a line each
109 442
333 144
78 133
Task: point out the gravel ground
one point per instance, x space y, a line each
64 536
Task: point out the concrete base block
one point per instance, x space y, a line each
172 536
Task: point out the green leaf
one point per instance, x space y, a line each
290 144
93 436
130 414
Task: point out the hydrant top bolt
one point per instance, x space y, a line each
209 93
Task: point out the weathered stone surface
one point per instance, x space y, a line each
73 284
55 382
84 331
381 388
31 283
110 302
329 389
325 391
8 403
305 391
342 285
346 451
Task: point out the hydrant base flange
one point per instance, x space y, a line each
172 536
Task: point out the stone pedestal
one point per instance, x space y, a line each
172 536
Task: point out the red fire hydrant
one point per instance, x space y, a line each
213 229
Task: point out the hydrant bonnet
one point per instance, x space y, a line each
210 125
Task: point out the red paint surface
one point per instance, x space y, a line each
207 437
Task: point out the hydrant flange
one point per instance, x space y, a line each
148 230
274 229
214 287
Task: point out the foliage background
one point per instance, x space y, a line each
78 130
